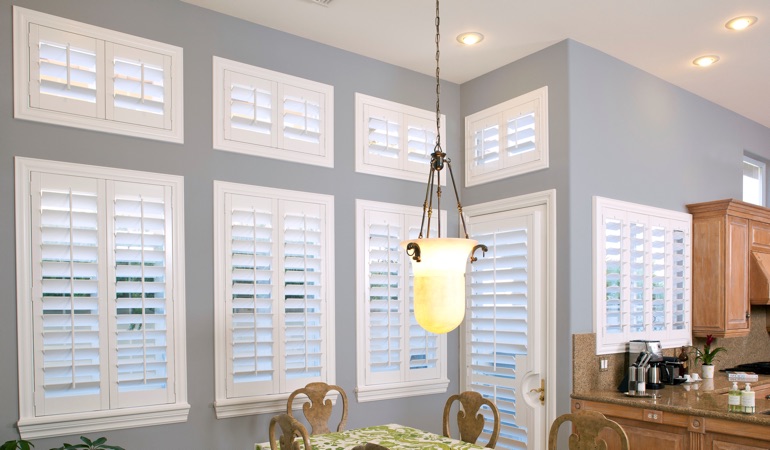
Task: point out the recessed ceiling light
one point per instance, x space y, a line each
741 23
470 38
705 61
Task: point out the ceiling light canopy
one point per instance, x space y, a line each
439 264
705 61
470 38
740 23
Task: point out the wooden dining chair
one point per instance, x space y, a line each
370 446
317 410
586 426
469 421
290 429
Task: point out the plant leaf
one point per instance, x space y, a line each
99 441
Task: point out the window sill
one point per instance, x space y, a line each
82 423
400 390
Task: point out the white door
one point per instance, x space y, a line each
505 340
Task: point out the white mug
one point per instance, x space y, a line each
687 378
695 377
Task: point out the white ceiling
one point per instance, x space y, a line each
661 37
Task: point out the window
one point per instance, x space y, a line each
274 285
78 75
101 299
395 140
642 275
396 357
507 139
271 114
753 181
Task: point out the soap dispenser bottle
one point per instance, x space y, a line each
747 400
734 399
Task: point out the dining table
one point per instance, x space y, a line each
393 436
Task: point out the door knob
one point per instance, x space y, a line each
541 390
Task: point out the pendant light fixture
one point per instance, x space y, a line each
439 264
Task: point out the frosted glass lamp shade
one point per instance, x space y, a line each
439 282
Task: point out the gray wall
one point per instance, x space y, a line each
203 34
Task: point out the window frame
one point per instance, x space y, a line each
260 402
762 179
406 387
103 120
650 216
537 101
32 426
323 155
400 168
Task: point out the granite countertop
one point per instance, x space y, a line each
707 398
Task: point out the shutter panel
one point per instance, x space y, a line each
253 319
69 336
420 141
486 144
520 136
142 308
385 263
63 72
138 87
302 119
303 253
383 137
613 273
424 351
680 320
249 109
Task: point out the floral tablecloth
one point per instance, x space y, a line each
392 436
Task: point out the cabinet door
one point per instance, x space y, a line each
760 236
736 276
650 436
726 442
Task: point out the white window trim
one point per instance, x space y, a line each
540 98
22 18
362 166
762 177
325 157
31 427
364 392
668 338
269 403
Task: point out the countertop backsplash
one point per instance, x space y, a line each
587 377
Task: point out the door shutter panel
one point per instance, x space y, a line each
250 110
251 296
141 297
302 248
302 119
63 72
69 337
138 86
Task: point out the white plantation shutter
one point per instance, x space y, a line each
143 298
394 351
507 139
68 288
642 275
394 140
497 327
272 114
274 323
63 71
101 300
249 109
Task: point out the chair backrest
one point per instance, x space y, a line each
370 446
290 428
317 411
469 421
586 426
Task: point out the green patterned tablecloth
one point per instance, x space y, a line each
392 436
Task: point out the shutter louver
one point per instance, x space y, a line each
303 302
70 354
65 66
252 302
142 300
302 119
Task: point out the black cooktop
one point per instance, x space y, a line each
761 368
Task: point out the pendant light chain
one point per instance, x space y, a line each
438 80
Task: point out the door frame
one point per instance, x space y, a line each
545 198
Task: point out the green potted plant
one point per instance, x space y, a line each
706 356
98 444
17 444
